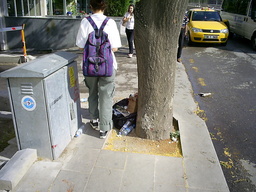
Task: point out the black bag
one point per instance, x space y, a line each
119 118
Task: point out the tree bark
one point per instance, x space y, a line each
157 28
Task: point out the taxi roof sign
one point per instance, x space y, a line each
205 8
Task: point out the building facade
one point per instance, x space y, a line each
45 7
47 24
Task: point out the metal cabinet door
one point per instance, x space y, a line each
57 111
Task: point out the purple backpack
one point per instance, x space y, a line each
97 58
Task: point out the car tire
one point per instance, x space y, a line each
230 35
189 40
224 44
253 41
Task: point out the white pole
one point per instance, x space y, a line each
22 8
15 8
35 8
51 8
28 5
3 36
43 7
64 7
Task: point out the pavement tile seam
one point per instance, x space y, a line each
139 172
185 173
100 179
112 159
82 164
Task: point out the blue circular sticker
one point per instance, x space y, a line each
28 103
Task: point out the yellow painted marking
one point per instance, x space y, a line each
213 137
227 164
191 61
195 69
201 81
240 180
201 113
226 152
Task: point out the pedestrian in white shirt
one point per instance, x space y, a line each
128 20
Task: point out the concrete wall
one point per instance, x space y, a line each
46 33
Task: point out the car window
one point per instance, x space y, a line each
205 16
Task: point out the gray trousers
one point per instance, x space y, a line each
101 92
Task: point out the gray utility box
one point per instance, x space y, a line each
45 103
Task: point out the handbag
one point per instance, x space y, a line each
124 23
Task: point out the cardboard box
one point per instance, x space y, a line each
133 103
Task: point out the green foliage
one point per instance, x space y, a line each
6 133
206 1
118 8
72 7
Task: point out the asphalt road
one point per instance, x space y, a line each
229 74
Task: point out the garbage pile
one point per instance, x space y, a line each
124 114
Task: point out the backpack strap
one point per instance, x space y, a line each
98 32
104 23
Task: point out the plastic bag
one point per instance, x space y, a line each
120 115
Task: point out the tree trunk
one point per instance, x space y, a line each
157 28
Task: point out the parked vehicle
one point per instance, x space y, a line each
206 26
241 16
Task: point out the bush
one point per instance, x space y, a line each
118 8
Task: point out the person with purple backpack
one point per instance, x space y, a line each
101 88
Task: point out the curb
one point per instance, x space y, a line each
200 161
14 58
7 58
19 163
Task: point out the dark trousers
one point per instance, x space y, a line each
130 37
181 41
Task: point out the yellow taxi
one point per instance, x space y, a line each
205 25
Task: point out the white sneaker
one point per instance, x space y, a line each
95 124
103 134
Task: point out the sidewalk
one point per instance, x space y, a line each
85 167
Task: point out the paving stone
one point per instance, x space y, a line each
169 173
173 188
204 174
39 177
82 161
69 181
111 159
90 139
104 180
139 173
